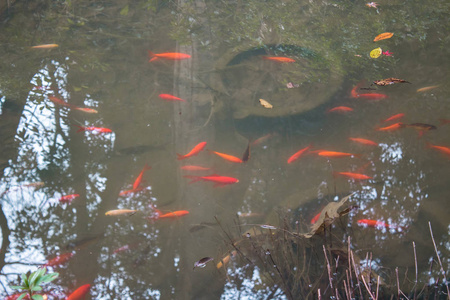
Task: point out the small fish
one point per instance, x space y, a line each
202 262
228 157
364 141
353 175
194 168
353 92
263 138
315 218
119 212
383 36
168 56
279 59
392 127
340 109
246 155
224 261
94 129
170 97
334 154
132 191
442 149
170 215
68 198
372 4
421 126
59 101
79 293
45 46
387 53
138 180
87 110
427 88
199 147
372 96
125 248
217 179
394 117
379 224
59 260
249 215
298 154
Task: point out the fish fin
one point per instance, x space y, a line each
193 177
147 167
180 157
219 184
81 128
153 59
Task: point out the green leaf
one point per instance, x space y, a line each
36 288
49 277
24 280
124 11
37 297
17 287
22 296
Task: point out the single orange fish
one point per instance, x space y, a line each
392 127
353 175
372 96
174 214
193 152
59 260
427 88
169 97
59 101
340 109
335 154
79 293
228 157
279 59
263 139
379 224
217 179
194 168
394 117
168 56
442 149
68 198
364 141
353 92
138 180
298 154
86 110
315 218
94 129
45 46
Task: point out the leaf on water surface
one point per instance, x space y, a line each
124 11
383 36
202 262
265 103
375 53
389 81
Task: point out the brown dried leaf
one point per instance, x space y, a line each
265 103
383 36
389 81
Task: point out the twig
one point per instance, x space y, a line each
415 264
439 260
378 287
356 273
288 291
367 287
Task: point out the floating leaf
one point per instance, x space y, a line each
202 262
389 81
265 103
383 36
124 11
375 53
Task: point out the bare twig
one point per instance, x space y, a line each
415 265
367 287
439 260
356 273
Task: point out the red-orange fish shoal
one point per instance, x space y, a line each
340 109
228 157
298 154
199 147
364 141
169 97
355 176
168 56
279 59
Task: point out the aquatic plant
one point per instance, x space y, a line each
33 283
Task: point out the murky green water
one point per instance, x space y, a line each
102 63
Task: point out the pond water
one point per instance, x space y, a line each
252 222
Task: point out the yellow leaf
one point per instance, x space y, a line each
265 103
375 53
383 36
124 11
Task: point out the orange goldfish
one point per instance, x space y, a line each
340 109
330 154
392 127
353 175
94 129
45 46
170 97
194 168
174 214
217 179
86 110
315 218
442 149
263 138
168 56
59 260
228 157
118 212
427 88
297 154
364 141
138 180
394 117
372 96
59 101
379 224
279 59
79 293
193 152
68 198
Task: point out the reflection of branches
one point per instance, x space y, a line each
5 236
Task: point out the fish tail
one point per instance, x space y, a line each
81 128
180 157
193 177
147 167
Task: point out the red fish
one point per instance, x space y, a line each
174 214
170 97
228 157
219 180
79 293
335 154
59 101
394 117
315 218
279 59
59 260
364 141
340 109
138 180
353 175
193 152
168 56
68 198
442 149
392 127
372 96
94 129
123 193
353 92
298 154
194 168
87 110
379 224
